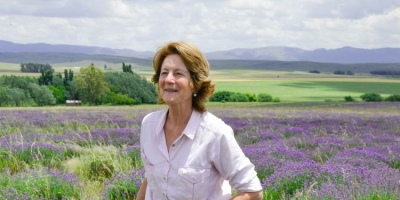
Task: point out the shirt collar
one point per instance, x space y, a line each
161 122
191 127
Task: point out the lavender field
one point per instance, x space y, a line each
301 151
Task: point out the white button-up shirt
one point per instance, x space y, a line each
203 163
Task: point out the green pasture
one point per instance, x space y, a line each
300 90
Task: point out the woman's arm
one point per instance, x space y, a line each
248 196
142 190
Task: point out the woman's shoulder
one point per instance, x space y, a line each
215 124
154 116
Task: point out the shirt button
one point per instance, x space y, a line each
165 178
173 145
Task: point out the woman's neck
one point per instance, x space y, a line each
179 116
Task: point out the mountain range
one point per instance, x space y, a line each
273 53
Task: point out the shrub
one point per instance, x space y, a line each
262 97
239 97
394 97
349 98
276 99
221 96
371 97
252 97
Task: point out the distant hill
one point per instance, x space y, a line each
55 59
268 58
340 55
11 47
59 57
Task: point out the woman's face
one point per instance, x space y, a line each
174 82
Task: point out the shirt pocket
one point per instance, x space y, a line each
194 182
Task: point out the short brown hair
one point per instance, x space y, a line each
196 63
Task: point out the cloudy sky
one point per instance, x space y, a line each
211 25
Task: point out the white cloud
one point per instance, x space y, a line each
211 25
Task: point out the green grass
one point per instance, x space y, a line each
298 90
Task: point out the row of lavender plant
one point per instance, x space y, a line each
310 151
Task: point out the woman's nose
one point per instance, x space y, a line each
170 77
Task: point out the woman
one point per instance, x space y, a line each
188 152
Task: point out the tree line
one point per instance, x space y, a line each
34 67
386 72
92 86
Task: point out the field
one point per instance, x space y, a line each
288 86
325 150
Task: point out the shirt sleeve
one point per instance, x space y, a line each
233 164
142 155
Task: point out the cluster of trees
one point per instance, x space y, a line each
314 71
337 72
340 72
375 97
91 86
34 67
375 72
385 72
127 68
226 96
20 91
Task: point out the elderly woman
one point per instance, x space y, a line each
189 153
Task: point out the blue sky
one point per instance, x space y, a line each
212 25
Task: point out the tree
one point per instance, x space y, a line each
133 85
58 92
127 68
13 81
47 77
58 80
41 95
70 75
34 67
92 84
13 96
72 92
